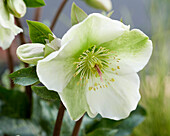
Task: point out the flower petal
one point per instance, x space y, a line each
74 99
118 99
55 72
6 37
133 48
30 53
94 30
8 29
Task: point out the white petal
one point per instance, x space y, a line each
133 49
8 29
138 60
118 99
94 30
55 72
74 99
6 37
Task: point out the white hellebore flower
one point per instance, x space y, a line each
8 29
105 5
95 70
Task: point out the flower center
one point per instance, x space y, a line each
93 63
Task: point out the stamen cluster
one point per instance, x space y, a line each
91 58
93 63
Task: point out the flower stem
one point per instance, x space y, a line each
10 65
59 119
28 90
21 35
37 14
77 127
58 14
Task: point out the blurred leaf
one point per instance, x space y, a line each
44 114
123 127
34 3
103 132
38 32
14 127
13 103
25 76
127 125
77 14
44 93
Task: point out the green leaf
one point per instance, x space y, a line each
38 32
19 127
44 93
123 127
77 14
25 76
13 103
34 3
127 125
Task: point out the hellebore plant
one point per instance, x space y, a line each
8 29
95 70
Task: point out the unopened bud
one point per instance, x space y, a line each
16 7
105 5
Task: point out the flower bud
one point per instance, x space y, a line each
31 53
105 5
16 7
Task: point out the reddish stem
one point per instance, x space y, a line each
38 12
10 65
58 14
21 35
59 119
77 127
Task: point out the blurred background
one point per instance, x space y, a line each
153 18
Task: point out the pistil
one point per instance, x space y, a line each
98 71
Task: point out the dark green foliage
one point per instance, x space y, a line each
13 103
25 76
123 127
44 93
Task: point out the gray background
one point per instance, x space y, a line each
132 12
